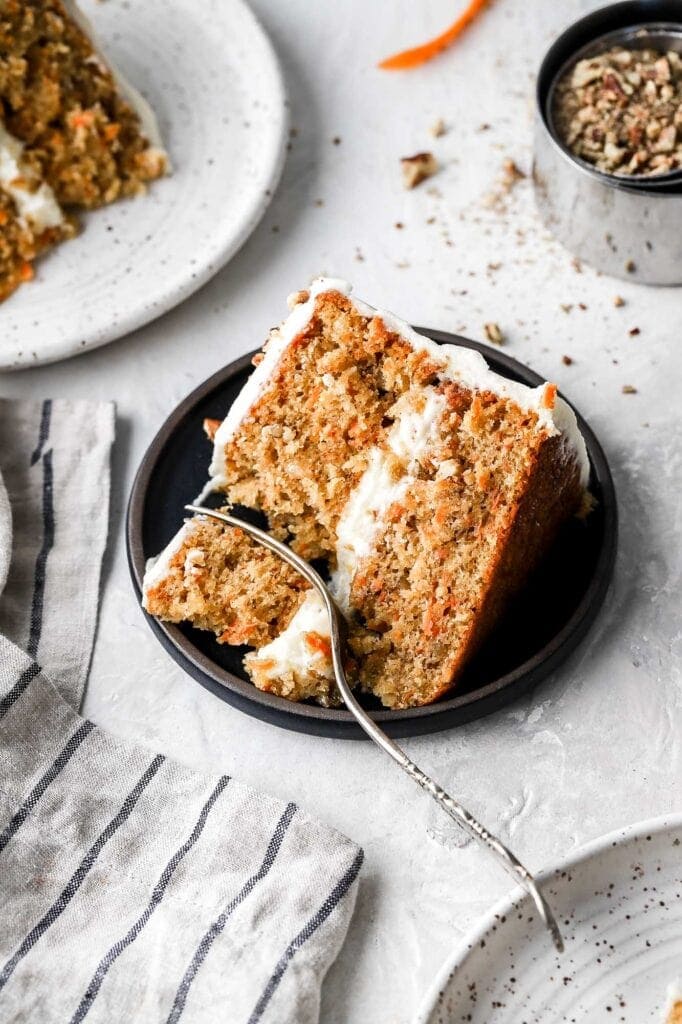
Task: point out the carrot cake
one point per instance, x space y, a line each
430 485
73 135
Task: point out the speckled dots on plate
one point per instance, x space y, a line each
211 75
619 904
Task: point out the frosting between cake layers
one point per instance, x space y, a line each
36 203
462 365
289 653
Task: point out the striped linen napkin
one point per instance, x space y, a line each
131 888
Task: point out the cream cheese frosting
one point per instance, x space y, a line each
35 201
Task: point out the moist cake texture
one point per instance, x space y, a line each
430 486
72 135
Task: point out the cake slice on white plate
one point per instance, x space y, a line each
73 134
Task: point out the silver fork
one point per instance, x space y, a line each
451 807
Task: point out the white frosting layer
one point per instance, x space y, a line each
464 365
39 208
289 652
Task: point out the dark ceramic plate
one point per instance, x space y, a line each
535 637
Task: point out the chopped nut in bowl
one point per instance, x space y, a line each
622 111
607 153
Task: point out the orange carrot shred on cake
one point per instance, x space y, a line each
26 272
421 54
318 643
549 396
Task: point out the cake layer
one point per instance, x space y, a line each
220 580
431 485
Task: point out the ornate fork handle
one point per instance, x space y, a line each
453 809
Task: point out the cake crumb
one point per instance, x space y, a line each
566 307
418 168
630 266
438 128
399 225
618 301
628 389
210 427
634 331
567 361
493 333
577 265
337 140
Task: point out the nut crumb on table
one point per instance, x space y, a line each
418 168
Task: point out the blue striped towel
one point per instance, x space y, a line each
131 888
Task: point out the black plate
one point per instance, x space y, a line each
534 638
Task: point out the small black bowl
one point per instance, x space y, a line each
546 622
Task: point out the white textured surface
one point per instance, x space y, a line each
213 81
599 745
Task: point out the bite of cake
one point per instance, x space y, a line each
431 486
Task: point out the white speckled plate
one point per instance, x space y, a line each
619 904
210 73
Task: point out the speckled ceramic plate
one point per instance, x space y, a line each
211 75
619 903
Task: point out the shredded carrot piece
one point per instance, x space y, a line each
26 272
420 54
319 644
4 217
549 396
81 119
111 131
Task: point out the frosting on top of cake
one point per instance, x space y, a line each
463 365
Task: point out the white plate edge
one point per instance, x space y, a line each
517 895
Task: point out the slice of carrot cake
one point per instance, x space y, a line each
79 136
431 485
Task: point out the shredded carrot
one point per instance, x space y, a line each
4 217
26 272
420 54
81 119
111 131
549 396
319 644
